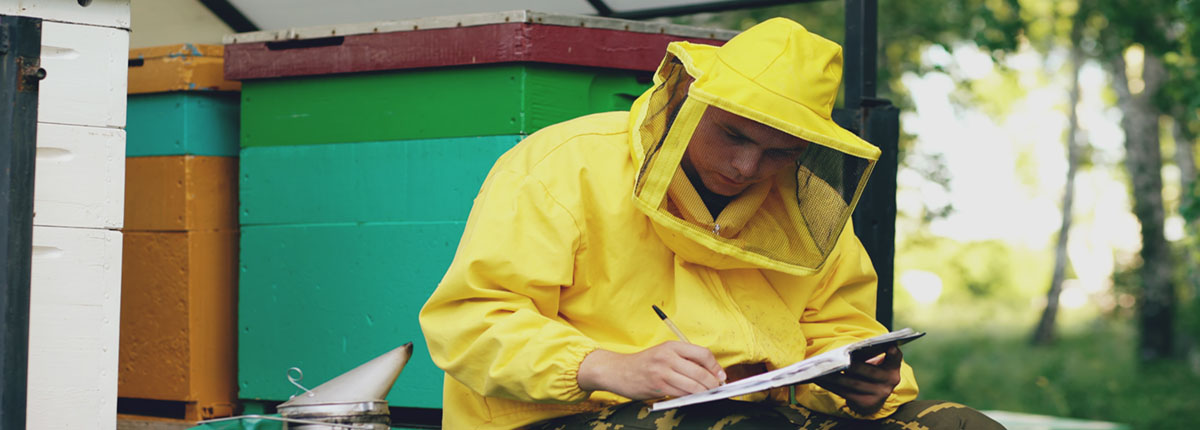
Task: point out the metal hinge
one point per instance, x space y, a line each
29 74
3 40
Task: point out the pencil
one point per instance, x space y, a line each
670 324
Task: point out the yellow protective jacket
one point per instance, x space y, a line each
558 259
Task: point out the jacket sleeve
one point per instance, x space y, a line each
841 311
492 322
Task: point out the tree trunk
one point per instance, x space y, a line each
1143 160
1185 158
1044 333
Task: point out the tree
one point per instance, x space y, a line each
1144 24
1044 333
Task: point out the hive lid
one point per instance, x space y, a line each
184 67
478 19
458 40
368 382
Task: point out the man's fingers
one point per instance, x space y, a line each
881 368
893 358
703 358
866 372
694 372
684 385
844 385
867 383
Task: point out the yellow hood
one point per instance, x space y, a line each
780 75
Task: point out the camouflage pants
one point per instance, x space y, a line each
739 415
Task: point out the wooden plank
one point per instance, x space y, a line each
85 75
178 305
416 180
327 298
80 177
184 67
181 192
183 123
499 43
478 19
428 103
106 13
73 328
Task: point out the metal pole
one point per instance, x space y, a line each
875 218
860 50
878 122
20 52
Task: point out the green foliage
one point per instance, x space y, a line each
995 94
1165 28
1192 211
981 270
1091 373
1141 22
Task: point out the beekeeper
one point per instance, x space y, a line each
723 197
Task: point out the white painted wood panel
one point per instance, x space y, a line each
80 177
108 13
86 75
75 304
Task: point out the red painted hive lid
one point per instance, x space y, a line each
503 37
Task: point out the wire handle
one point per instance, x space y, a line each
295 380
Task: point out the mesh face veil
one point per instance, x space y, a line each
749 124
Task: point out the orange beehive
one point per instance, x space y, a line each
178 319
178 336
181 192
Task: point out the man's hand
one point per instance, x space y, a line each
668 369
866 384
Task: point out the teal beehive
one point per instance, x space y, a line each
362 150
423 180
182 123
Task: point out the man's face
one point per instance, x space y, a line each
728 153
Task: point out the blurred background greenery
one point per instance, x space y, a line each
1046 234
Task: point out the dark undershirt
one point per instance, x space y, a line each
713 201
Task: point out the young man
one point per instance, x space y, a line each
722 197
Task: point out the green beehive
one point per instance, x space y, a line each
503 99
362 152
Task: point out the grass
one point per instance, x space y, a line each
1090 373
